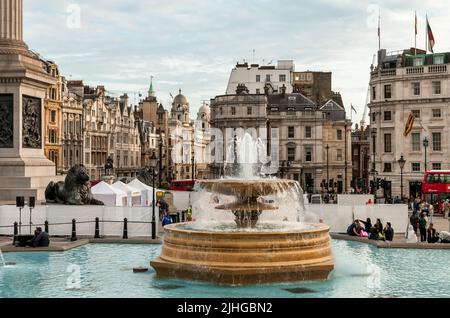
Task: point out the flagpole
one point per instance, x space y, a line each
379 30
415 34
426 34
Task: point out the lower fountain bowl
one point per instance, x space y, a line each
245 257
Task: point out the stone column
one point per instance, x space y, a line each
11 20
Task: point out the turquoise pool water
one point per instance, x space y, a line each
106 271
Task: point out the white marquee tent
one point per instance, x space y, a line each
134 195
146 191
109 195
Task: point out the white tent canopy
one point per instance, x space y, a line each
146 191
109 195
134 195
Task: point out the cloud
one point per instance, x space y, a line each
194 44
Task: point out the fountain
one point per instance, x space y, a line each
265 242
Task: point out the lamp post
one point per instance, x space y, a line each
401 163
425 145
328 172
160 160
153 163
193 160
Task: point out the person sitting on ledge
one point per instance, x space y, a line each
40 239
431 234
374 233
388 232
352 230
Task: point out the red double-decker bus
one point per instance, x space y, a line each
182 185
436 188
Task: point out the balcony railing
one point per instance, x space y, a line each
437 69
414 70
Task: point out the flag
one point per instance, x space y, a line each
430 37
409 125
415 23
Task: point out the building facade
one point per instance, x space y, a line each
257 77
72 122
313 141
53 118
361 159
404 83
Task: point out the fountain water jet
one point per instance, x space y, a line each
266 243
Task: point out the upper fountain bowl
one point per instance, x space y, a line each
246 188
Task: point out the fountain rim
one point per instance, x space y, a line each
318 228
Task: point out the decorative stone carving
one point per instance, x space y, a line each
31 122
6 121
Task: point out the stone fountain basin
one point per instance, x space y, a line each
247 188
245 257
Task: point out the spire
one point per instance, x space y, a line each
151 90
179 91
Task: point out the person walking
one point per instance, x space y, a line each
423 227
446 208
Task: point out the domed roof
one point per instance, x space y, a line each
180 99
204 109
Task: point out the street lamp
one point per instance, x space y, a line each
425 144
153 163
328 172
401 163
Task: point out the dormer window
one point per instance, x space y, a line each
418 61
438 59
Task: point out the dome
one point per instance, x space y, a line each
204 109
180 99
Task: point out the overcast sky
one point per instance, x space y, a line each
194 44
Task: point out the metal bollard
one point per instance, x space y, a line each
125 229
16 232
97 228
46 227
74 231
183 216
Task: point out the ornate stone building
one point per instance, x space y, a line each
403 83
313 141
53 118
72 123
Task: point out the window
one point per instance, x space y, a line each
374 144
415 137
438 59
308 154
233 110
437 113
415 167
282 78
418 61
387 167
291 154
258 91
88 158
258 78
387 115
387 91
416 88
374 117
53 116
437 166
436 87
387 143
374 93
339 134
221 110
291 132
249 110
308 132
339 155
437 146
268 78
416 113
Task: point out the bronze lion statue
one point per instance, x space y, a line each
75 190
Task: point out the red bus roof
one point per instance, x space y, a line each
438 172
